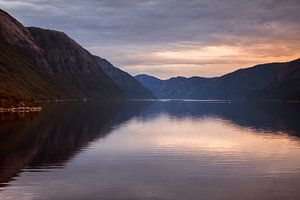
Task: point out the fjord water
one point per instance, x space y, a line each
152 150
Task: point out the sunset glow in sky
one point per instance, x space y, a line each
168 38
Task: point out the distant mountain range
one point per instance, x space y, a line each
274 81
39 64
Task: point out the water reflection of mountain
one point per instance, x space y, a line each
262 116
52 137
55 135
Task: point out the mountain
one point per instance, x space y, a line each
40 64
73 69
151 83
286 84
267 81
128 84
19 79
52 42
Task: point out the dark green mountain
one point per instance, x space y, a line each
276 81
39 64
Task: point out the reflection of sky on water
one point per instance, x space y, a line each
166 151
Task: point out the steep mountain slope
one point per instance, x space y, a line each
40 64
73 69
151 83
20 80
286 84
128 84
248 83
44 64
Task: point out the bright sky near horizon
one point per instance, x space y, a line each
168 38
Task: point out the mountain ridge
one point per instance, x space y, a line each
128 84
246 83
44 64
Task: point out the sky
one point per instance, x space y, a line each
167 38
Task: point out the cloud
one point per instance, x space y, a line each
24 6
126 31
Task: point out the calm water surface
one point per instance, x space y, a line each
152 150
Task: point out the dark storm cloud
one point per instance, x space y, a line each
115 27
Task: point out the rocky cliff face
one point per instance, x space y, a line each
15 36
72 68
63 54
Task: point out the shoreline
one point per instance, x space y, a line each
27 109
21 109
